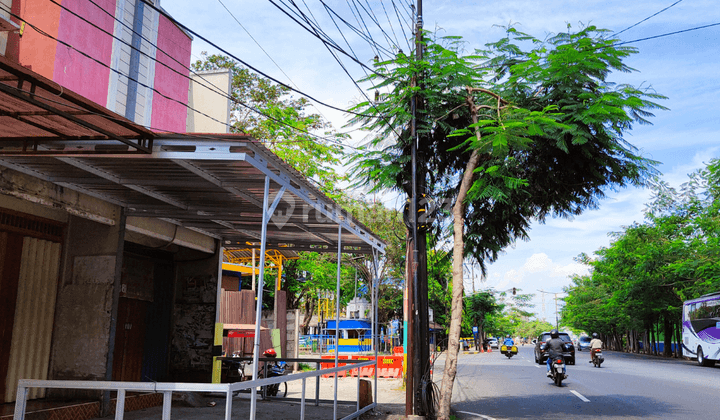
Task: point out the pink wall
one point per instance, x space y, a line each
72 69
168 115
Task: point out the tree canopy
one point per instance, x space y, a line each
638 284
520 131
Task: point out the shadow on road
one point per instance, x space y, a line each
565 403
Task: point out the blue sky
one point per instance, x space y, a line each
683 67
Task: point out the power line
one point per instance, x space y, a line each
184 27
360 19
374 18
307 29
382 117
263 49
40 31
397 42
362 34
668 34
397 13
649 17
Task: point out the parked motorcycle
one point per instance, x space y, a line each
597 357
508 351
557 369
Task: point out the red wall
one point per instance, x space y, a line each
169 115
34 50
74 70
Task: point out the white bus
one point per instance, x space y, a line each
701 328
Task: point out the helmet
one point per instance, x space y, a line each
595 335
270 353
554 333
507 336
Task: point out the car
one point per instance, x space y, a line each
583 343
541 356
493 343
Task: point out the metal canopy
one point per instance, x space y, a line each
213 184
36 113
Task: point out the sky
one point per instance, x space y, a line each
683 67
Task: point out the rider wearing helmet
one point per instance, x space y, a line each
508 341
554 347
595 343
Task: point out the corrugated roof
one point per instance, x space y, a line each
36 112
213 184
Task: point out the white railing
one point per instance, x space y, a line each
167 388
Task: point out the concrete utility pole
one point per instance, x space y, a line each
418 351
555 296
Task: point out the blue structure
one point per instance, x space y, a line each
355 335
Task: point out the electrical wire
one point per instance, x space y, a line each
668 34
214 88
184 27
314 34
649 17
384 119
360 20
392 28
397 13
40 31
356 30
373 17
263 50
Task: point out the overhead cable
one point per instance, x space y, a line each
649 17
184 27
313 33
42 32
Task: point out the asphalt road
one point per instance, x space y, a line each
491 386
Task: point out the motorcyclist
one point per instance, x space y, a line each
508 341
555 348
595 343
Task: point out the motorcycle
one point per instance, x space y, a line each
508 351
557 369
597 357
275 369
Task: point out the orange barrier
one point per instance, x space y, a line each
390 366
365 371
332 365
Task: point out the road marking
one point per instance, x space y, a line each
577 394
476 414
537 366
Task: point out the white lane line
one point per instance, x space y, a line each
577 394
537 366
478 415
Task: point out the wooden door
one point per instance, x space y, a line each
129 340
10 257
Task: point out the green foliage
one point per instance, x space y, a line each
550 129
284 123
318 271
649 269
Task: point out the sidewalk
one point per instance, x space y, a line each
391 406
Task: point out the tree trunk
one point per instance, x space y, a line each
457 271
309 309
457 291
667 336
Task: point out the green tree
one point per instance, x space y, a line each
283 123
638 283
524 130
478 307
